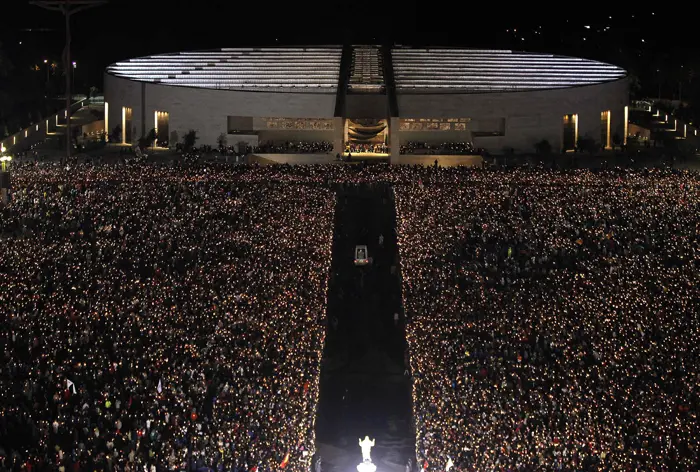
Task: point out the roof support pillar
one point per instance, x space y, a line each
338 132
394 142
343 79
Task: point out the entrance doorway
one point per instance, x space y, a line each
367 136
127 132
162 119
570 137
605 129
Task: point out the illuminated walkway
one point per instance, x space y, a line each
363 387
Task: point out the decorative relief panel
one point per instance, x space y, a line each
433 124
316 124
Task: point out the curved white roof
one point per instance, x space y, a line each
271 69
478 70
317 69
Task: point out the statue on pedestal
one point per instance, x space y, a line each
366 446
366 465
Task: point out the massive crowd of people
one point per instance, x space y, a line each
554 320
295 147
158 319
449 148
161 317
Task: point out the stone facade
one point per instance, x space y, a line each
529 116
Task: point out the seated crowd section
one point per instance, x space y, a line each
173 317
447 149
296 147
366 148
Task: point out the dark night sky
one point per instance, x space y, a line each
640 41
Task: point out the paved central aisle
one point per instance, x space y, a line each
363 387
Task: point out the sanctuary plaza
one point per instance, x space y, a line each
211 316
401 104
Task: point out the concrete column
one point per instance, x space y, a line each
150 119
394 143
338 131
558 134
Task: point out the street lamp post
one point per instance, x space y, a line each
5 160
47 71
68 8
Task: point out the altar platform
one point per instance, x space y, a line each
404 159
301 159
443 160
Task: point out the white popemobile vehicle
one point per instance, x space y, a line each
361 256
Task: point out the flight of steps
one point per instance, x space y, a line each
367 71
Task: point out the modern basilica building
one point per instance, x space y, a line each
369 98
